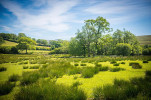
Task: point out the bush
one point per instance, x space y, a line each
45 66
13 78
123 49
76 84
29 77
76 64
6 88
98 65
25 67
74 70
89 72
116 69
8 50
145 61
83 64
148 73
122 62
112 62
135 65
3 69
103 68
34 67
47 90
116 64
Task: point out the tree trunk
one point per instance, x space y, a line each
26 51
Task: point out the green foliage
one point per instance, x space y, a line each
123 49
82 64
6 88
116 64
105 68
8 50
122 62
25 43
47 90
29 77
113 62
98 65
76 64
145 61
147 51
1 40
42 42
116 69
88 72
25 67
34 67
135 65
13 78
3 69
76 84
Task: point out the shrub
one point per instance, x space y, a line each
145 61
74 70
6 88
34 67
122 62
76 84
116 69
89 72
76 64
25 67
13 78
33 62
3 69
45 66
148 73
98 65
112 62
29 77
47 90
116 64
103 68
83 64
135 65
123 49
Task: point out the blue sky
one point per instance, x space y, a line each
60 19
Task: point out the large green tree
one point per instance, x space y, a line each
25 43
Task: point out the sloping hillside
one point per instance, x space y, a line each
145 39
8 43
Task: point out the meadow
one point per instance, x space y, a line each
60 77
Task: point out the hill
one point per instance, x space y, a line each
9 43
145 39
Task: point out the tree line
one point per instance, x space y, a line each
95 39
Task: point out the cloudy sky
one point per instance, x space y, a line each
60 19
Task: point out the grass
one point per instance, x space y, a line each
135 65
13 78
6 88
8 43
47 90
61 71
3 69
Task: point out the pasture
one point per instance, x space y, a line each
82 76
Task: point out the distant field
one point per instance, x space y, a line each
8 43
146 39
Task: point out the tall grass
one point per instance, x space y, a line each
6 88
3 69
13 78
47 90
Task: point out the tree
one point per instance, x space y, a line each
123 49
21 35
24 43
1 40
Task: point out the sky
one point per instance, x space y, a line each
60 19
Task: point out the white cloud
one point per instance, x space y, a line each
6 28
53 17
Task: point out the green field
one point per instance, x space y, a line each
144 40
64 72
